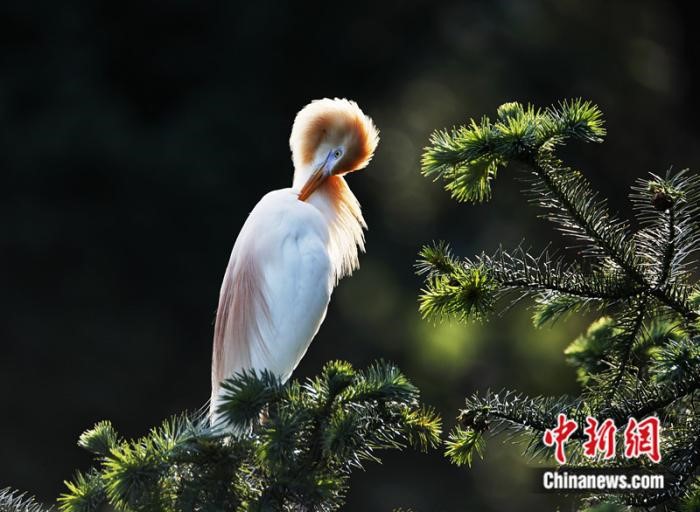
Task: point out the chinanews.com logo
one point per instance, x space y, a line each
601 440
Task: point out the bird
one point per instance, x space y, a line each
294 247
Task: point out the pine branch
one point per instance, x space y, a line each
575 208
299 457
514 414
519 417
667 209
630 327
643 357
86 493
528 137
509 410
14 501
469 289
522 271
684 460
645 398
457 156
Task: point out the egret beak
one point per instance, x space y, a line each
316 179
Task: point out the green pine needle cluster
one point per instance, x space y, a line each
640 356
279 447
463 443
453 289
467 158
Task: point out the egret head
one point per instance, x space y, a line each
330 137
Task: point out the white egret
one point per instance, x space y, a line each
294 247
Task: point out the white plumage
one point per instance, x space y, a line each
294 247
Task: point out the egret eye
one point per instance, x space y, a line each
337 153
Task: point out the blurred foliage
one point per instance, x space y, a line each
137 136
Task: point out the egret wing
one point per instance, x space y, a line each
275 291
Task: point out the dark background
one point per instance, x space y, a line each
135 137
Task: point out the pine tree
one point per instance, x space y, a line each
280 447
641 356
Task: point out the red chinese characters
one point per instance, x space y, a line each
559 436
642 438
600 438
